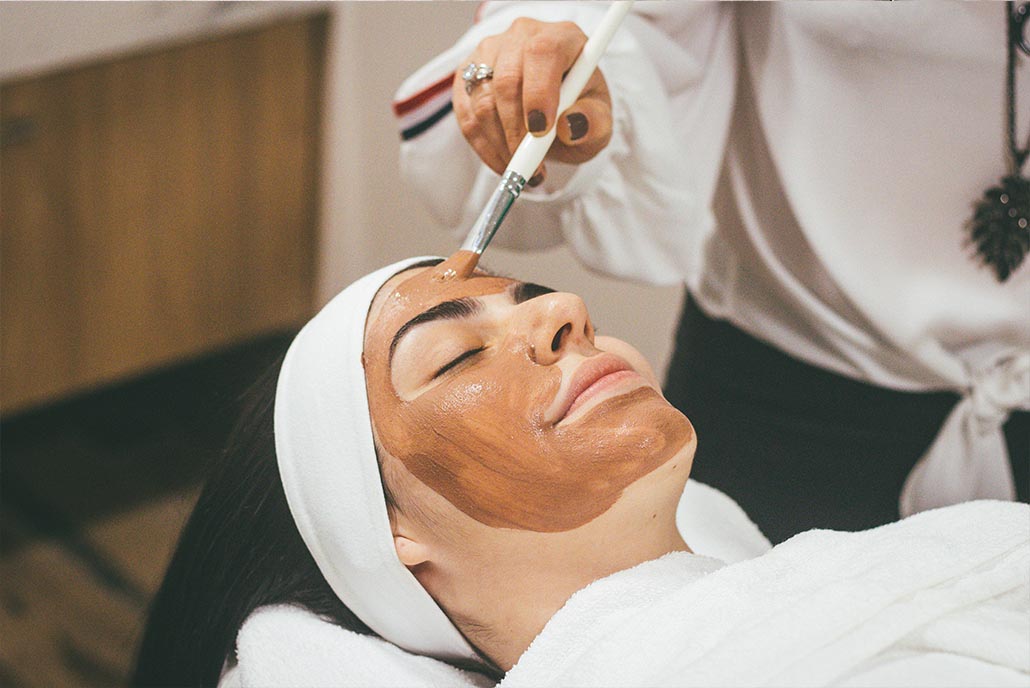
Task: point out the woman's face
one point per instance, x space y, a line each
497 395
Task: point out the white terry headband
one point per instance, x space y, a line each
328 466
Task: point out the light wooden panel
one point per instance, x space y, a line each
156 207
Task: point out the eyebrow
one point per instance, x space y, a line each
447 310
465 307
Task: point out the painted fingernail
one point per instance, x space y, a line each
578 125
536 179
536 121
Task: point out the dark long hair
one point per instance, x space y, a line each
239 550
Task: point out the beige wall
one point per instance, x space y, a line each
367 218
40 37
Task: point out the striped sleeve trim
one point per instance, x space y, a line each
421 126
417 113
403 107
420 111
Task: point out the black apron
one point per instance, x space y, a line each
799 447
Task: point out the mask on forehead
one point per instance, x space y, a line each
480 438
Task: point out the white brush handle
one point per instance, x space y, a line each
532 150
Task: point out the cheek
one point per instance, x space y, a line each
491 417
480 443
631 355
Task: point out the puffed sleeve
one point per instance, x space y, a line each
641 208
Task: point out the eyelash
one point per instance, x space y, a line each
459 359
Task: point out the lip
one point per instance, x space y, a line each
589 379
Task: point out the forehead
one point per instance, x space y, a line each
411 292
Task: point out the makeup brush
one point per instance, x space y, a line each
531 151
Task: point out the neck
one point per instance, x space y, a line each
501 586
513 599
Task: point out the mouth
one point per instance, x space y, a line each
592 379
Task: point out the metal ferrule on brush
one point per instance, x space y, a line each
493 214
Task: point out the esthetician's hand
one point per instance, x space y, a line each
529 60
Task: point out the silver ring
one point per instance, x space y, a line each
474 74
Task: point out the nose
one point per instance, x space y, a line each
553 325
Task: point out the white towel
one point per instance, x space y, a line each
714 525
281 646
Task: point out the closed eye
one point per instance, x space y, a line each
468 354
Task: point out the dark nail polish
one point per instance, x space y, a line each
536 121
536 179
578 125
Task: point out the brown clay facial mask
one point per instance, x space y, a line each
466 399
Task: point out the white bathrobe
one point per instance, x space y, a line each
938 599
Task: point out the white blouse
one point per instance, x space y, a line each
808 170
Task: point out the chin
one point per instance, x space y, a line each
674 424
645 407
639 427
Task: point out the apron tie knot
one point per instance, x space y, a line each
998 390
969 459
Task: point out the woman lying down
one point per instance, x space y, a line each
466 485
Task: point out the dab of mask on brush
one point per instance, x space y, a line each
461 265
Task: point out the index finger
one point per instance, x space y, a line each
547 56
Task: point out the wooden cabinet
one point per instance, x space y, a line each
156 207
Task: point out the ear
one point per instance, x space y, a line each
410 552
